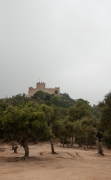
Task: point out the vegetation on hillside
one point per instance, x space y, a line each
45 117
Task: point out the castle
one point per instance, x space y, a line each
40 86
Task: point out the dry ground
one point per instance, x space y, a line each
68 164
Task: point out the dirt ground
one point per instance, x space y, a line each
67 164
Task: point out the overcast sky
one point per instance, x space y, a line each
65 43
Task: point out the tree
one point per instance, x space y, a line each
88 131
51 116
16 126
80 110
22 123
95 111
105 118
69 126
60 131
56 92
79 138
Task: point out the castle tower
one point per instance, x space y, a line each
40 86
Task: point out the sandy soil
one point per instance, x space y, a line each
67 164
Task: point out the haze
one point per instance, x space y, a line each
65 43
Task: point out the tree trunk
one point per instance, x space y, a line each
52 146
72 142
84 146
51 142
36 140
87 145
67 142
80 145
100 149
12 145
63 142
15 149
26 148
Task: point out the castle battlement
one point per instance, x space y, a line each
40 86
40 83
31 88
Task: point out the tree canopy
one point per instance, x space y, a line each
46 116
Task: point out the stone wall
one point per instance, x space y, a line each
40 86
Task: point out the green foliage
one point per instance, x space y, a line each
15 122
25 122
85 132
59 128
80 110
105 118
78 133
88 131
95 111
51 115
62 100
56 92
19 99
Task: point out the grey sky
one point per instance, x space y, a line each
65 43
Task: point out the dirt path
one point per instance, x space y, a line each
68 164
